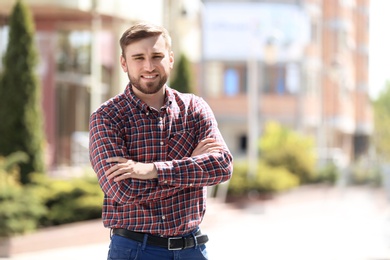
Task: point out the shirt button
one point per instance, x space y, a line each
160 118
165 182
190 184
163 217
147 113
161 143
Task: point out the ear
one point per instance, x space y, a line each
171 60
123 63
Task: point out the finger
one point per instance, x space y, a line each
206 141
115 171
214 150
118 173
112 159
111 170
116 159
111 174
212 145
123 177
124 163
209 139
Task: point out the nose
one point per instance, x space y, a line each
148 65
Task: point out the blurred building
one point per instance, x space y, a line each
306 63
77 41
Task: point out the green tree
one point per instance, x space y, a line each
381 136
182 80
21 127
283 147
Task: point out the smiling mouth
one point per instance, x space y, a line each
149 76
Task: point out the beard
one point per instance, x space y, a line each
149 87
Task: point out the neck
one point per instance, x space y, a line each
155 100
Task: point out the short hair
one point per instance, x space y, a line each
141 31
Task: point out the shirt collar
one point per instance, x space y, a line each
169 98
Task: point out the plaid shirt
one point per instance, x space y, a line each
173 204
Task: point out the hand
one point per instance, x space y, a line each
125 169
208 145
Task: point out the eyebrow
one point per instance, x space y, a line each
137 55
140 54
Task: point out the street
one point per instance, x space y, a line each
310 223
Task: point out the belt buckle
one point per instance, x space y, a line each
169 243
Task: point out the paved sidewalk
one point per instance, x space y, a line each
310 223
307 224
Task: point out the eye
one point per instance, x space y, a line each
158 57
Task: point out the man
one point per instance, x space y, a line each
155 151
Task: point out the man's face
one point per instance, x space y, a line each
148 64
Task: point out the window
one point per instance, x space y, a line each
315 32
274 77
243 143
234 79
74 51
232 82
3 42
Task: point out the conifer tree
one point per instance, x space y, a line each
21 127
182 80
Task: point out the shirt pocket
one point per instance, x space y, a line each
181 144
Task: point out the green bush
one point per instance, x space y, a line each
280 146
68 201
20 207
327 174
44 201
361 173
268 179
20 211
380 138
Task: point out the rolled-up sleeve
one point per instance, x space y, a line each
202 170
105 142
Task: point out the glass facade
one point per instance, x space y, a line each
73 86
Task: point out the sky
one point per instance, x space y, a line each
379 60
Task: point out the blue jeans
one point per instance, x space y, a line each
122 248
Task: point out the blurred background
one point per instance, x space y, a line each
299 89
312 67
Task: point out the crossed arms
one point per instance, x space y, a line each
128 181
125 169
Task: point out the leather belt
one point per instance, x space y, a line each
171 243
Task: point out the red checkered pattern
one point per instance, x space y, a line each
174 204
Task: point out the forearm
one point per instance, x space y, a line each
172 176
107 144
198 171
136 191
118 181
124 168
